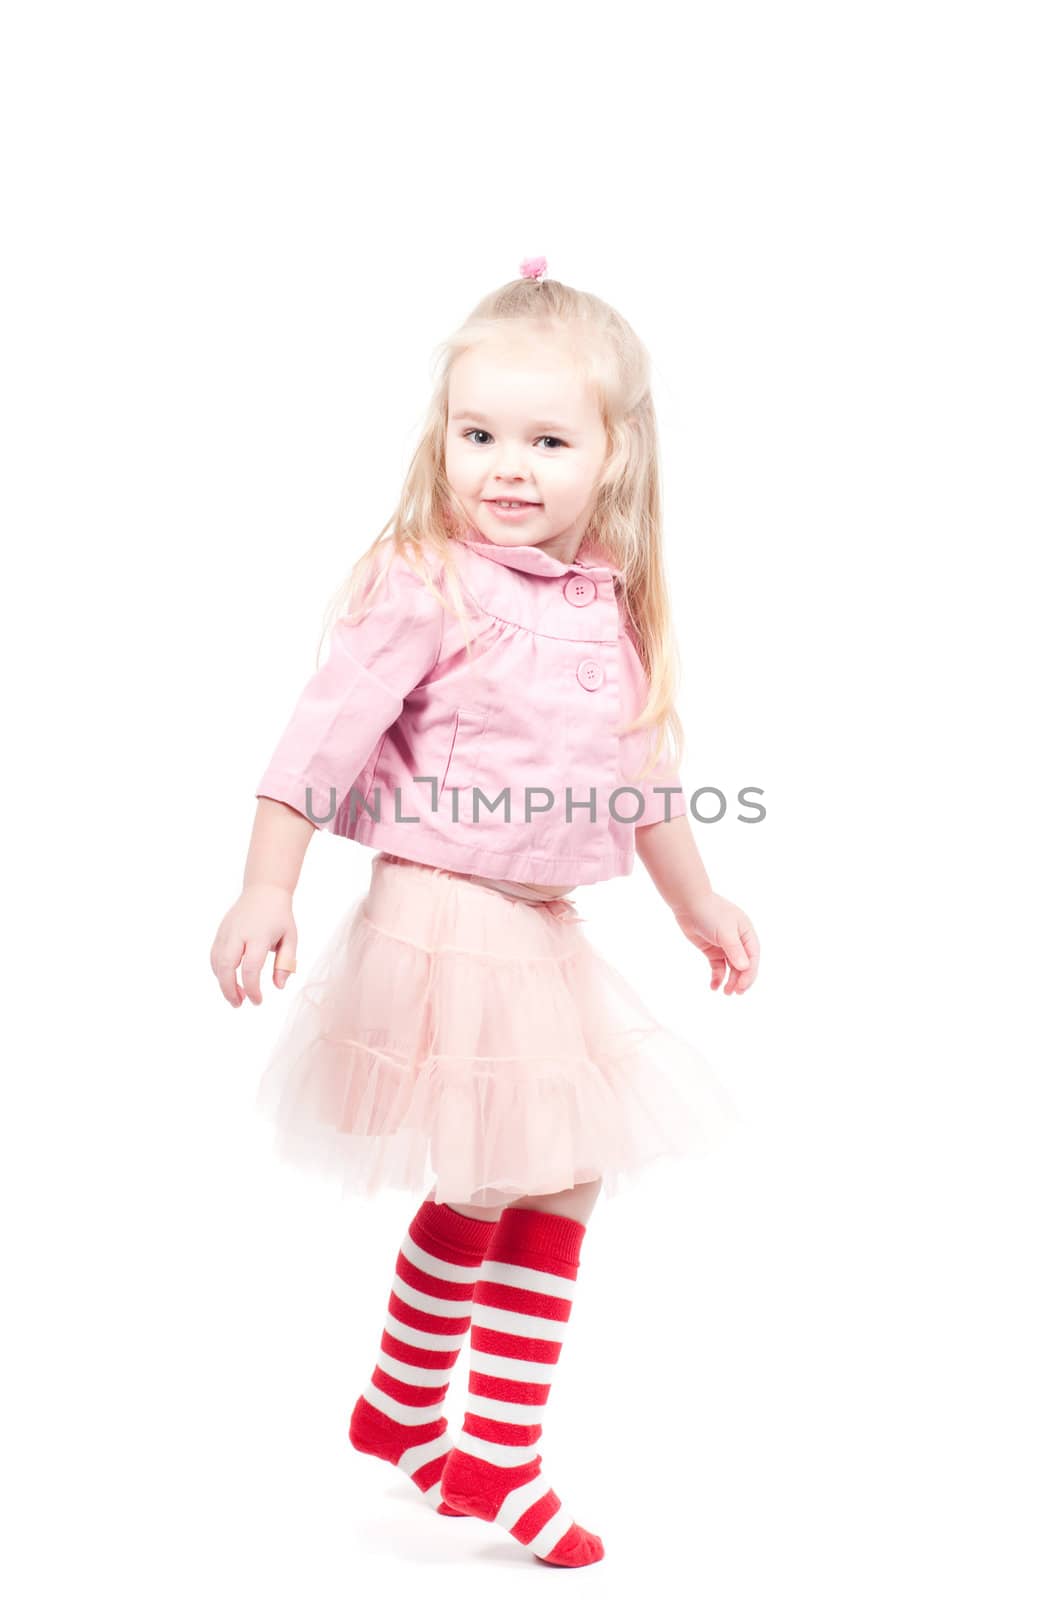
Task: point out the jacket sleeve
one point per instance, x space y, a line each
350 702
638 747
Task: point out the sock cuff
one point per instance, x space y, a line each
447 1227
546 1234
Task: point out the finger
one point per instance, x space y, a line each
718 965
735 952
742 980
749 939
746 979
225 971
251 971
284 960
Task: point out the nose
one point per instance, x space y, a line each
512 464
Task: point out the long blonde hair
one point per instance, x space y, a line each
626 523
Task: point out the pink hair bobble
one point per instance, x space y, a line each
533 267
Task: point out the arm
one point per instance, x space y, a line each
279 838
342 712
668 852
262 919
716 927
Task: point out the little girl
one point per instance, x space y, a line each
490 720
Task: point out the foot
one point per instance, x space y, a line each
399 1415
419 1452
520 1500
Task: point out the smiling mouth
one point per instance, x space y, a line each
500 502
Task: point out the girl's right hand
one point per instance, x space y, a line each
260 921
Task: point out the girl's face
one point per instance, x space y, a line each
522 425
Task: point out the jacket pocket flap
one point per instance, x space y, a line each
463 759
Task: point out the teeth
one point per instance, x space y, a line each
511 505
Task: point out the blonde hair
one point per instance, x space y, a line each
626 522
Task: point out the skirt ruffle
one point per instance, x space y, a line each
451 1034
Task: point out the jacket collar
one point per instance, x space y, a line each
529 558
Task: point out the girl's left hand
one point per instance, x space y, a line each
725 934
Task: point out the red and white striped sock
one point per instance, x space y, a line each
521 1303
399 1415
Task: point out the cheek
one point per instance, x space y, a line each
461 468
570 483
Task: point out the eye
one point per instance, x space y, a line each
470 431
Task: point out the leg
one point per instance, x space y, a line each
577 1203
484 1213
521 1303
399 1415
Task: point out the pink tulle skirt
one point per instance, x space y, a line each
452 1034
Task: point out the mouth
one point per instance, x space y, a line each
509 504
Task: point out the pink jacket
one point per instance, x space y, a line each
441 747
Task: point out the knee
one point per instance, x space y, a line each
481 1213
577 1202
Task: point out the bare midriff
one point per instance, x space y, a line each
523 891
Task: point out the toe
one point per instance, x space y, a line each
576 1548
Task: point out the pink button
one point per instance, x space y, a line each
580 591
590 674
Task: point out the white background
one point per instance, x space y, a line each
828 1363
